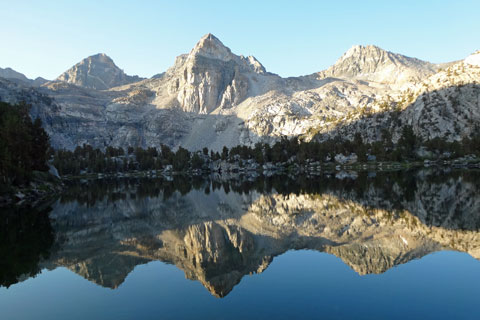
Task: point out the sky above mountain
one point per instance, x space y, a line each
291 38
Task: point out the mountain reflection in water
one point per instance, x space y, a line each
218 231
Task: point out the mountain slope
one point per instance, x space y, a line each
10 74
372 63
212 98
97 72
445 105
210 76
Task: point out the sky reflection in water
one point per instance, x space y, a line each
393 259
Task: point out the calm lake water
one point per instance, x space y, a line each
401 245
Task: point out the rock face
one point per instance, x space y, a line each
372 63
218 237
212 98
211 76
445 104
97 72
10 74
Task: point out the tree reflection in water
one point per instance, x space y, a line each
217 230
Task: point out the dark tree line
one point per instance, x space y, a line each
24 148
85 159
24 144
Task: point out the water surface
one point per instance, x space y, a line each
368 246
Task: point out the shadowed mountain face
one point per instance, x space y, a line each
211 97
219 231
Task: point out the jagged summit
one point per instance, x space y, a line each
101 58
211 47
209 77
212 98
364 51
372 63
255 64
97 72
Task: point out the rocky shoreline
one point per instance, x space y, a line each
45 186
252 170
42 188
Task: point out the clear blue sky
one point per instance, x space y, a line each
44 38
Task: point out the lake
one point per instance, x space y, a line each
368 245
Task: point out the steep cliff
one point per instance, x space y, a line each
214 98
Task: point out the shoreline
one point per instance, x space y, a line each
269 169
44 189
41 189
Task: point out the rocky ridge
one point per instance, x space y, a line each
97 72
10 74
371 63
446 105
214 98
